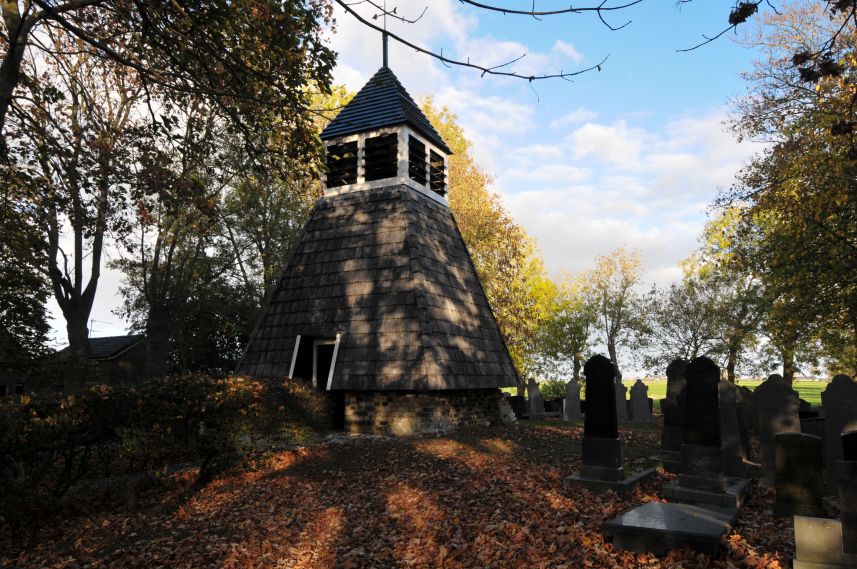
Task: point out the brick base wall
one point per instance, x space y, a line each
413 413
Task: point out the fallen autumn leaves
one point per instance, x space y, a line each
486 498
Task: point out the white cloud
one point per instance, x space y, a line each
615 144
567 50
577 116
556 173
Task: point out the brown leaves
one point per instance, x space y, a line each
483 499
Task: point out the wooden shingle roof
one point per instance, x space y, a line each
388 270
382 102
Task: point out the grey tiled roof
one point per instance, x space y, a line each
382 102
387 269
108 346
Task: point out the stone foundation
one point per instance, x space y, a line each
423 412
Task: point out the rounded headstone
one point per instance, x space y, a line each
702 422
798 474
600 417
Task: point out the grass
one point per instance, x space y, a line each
808 390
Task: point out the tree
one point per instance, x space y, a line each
509 268
23 313
72 142
798 197
612 286
682 320
249 58
565 335
726 259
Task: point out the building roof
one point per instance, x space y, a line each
108 346
382 102
388 270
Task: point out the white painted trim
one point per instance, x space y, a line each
402 177
294 356
333 362
315 345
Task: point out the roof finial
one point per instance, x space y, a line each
384 34
384 41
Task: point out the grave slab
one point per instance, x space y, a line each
733 497
622 486
657 527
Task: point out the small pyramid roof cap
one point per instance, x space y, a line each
382 102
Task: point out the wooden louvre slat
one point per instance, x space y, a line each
381 157
341 164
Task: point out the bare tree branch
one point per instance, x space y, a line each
494 70
570 10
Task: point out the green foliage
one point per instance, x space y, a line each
552 389
565 335
47 443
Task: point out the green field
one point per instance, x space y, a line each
808 390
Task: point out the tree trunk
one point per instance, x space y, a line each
576 363
157 342
10 67
76 369
730 364
611 349
788 355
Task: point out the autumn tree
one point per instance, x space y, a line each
682 320
506 260
565 336
72 143
798 197
248 58
613 289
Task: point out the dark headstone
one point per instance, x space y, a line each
749 409
813 426
601 450
848 504
797 476
778 413
571 411
849 446
730 435
600 418
743 429
640 412
554 405
651 402
803 406
519 405
702 422
673 410
702 458
622 413
839 401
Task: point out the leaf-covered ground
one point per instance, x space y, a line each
485 498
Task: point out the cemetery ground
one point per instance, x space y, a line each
488 497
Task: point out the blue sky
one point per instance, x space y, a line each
631 155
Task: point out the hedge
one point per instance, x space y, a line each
49 442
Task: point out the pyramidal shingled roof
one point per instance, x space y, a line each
382 102
387 269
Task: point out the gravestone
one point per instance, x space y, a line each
778 413
673 409
601 449
813 426
848 492
640 412
798 475
839 401
602 455
621 401
571 412
536 401
730 435
743 429
519 405
749 408
702 459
